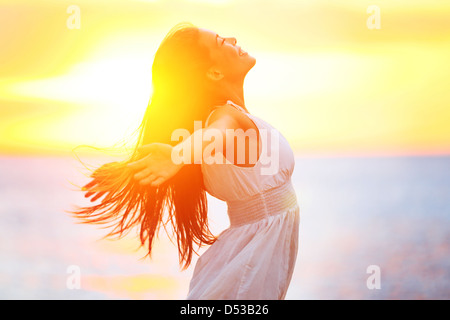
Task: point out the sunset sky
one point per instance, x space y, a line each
329 83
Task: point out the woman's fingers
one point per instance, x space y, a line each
158 181
138 164
146 149
143 174
148 180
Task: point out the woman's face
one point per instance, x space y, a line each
230 61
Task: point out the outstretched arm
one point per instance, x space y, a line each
161 161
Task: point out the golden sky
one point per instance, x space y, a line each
327 81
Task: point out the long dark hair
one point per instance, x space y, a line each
180 97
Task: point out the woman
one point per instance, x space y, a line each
197 78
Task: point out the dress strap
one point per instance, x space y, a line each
236 106
231 103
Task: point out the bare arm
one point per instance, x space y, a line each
162 161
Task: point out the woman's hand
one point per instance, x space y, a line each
157 166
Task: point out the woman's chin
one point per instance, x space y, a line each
252 63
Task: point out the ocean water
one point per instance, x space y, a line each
388 212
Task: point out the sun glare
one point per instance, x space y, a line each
323 78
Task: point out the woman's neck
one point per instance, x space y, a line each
235 93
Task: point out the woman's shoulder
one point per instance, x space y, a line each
219 111
230 117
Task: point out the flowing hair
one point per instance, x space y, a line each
180 97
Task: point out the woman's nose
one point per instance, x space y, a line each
233 41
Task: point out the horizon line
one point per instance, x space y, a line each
298 153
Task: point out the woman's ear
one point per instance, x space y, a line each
214 74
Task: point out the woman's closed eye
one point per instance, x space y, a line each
220 41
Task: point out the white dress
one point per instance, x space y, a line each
254 258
